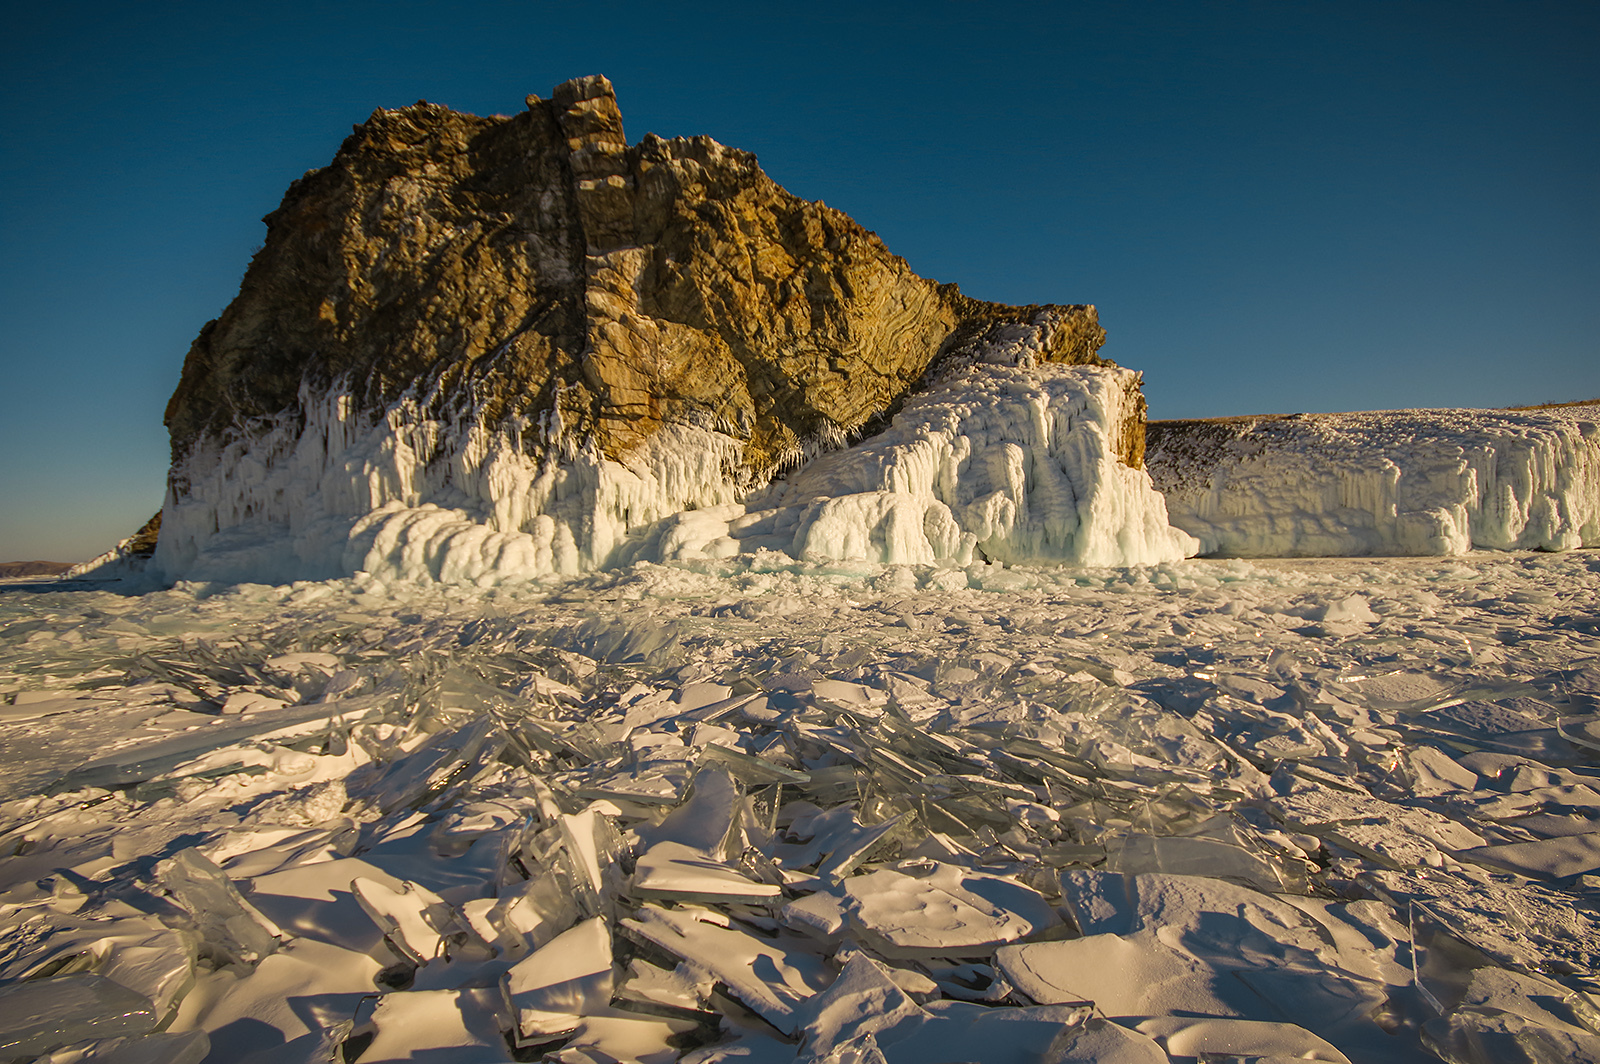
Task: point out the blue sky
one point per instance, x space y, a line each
1276 206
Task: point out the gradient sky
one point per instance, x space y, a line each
1277 206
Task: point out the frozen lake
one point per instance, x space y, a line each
758 810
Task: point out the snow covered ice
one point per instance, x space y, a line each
754 808
1403 482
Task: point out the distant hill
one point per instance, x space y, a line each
11 570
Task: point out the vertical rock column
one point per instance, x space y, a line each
622 345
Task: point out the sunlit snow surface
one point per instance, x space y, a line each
727 811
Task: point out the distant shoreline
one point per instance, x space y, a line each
11 570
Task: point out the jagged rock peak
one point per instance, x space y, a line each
538 265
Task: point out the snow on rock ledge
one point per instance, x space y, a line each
1005 462
1405 482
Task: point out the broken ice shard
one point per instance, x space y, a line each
226 923
190 1047
38 1015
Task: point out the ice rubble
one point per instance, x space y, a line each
1003 457
1401 482
741 810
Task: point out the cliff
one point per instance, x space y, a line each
530 325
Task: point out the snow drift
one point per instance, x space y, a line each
1406 482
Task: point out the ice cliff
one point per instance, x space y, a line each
1402 482
486 349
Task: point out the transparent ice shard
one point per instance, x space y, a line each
681 993
709 821
963 1031
446 760
228 924
564 980
1489 1036
138 952
840 842
653 643
190 1047
532 913
662 786
38 1015
1583 730
1194 857
749 768
1541 1000
594 846
148 760
160 964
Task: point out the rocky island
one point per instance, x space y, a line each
489 348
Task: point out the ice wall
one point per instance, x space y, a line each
999 462
1002 460
1405 482
414 496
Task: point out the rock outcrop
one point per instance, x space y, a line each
528 322
539 263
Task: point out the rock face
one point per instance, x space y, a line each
528 322
1398 482
537 262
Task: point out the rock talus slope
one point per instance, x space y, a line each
480 347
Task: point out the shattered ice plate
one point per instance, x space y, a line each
802 812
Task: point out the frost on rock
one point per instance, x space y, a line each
1002 457
815 812
1401 482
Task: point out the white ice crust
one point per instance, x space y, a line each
1401 482
1005 460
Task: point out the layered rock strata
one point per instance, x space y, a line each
528 326
1400 482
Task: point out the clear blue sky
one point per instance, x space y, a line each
1277 206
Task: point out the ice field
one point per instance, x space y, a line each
755 809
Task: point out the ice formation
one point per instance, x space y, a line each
1007 459
1402 482
757 809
